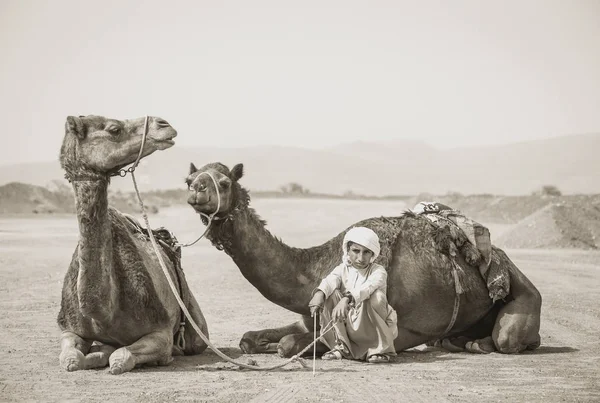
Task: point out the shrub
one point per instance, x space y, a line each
550 190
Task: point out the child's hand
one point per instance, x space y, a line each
340 312
316 303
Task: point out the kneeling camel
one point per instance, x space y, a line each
421 284
117 307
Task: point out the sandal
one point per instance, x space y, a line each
378 359
334 354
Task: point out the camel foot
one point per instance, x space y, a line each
481 346
176 351
165 361
98 356
252 342
72 360
121 361
454 345
534 345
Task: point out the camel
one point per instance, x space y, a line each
421 285
117 307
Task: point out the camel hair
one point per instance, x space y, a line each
421 285
117 307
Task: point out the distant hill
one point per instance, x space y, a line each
564 224
25 198
56 198
393 168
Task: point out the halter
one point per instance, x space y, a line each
209 217
122 172
96 177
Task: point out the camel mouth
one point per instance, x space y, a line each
165 137
198 207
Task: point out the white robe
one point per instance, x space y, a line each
372 324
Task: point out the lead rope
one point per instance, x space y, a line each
314 338
181 333
295 358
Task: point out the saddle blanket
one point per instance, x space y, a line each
496 276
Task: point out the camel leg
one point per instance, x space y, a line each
73 351
476 339
267 340
517 328
193 343
153 348
98 356
408 339
481 346
518 323
292 344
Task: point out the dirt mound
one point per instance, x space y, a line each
18 197
57 197
565 224
487 208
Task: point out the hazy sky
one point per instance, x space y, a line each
303 73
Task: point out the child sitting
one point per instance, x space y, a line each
353 295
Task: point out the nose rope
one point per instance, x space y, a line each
207 216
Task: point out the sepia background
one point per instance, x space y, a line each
339 111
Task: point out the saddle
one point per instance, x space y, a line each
453 234
496 276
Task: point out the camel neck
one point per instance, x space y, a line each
283 274
95 277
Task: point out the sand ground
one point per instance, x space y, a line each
35 252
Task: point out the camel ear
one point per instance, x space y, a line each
75 126
192 168
237 172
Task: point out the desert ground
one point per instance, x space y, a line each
35 251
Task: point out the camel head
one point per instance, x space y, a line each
203 195
102 145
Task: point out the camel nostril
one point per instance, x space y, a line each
161 122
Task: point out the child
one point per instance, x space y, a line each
353 295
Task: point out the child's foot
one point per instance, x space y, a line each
378 358
332 355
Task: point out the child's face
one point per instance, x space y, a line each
359 256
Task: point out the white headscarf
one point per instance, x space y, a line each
363 236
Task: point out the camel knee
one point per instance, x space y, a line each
508 343
291 344
253 342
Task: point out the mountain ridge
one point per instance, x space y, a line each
372 168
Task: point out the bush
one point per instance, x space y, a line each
550 190
294 188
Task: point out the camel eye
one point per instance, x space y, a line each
114 130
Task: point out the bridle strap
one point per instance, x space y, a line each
209 217
122 172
